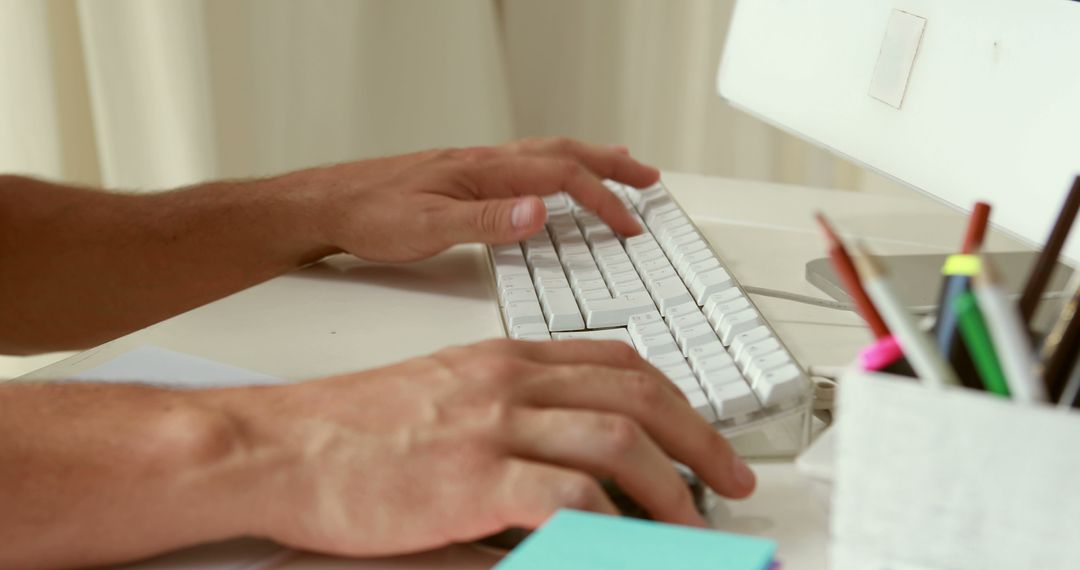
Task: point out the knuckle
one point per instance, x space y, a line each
622 434
476 153
497 420
624 354
562 143
489 218
643 389
577 491
499 370
570 170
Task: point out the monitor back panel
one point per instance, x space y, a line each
962 99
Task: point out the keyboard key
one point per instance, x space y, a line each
528 329
651 346
616 312
693 253
519 294
700 402
735 323
594 295
751 336
747 352
718 377
523 312
535 336
731 400
694 336
608 334
667 359
781 384
720 310
706 283
647 329
678 370
704 265
520 281
697 353
686 384
763 364
669 292
561 310
718 361
642 319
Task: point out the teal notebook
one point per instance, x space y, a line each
573 540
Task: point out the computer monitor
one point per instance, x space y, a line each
961 99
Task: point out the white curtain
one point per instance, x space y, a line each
149 94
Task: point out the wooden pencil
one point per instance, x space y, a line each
921 353
849 276
1044 265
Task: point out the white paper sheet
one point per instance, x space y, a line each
163 367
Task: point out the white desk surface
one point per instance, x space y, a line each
344 314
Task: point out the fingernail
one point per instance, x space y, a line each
522 214
620 148
744 477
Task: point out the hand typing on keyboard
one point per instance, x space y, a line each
470 441
413 207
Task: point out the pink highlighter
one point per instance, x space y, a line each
885 355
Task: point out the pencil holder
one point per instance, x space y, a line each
949 479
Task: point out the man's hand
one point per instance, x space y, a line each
411 207
468 442
82 267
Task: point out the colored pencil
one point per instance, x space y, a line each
1071 393
1044 266
1009 333
976 230
958 270
849 276
919 349
1058 353
979 344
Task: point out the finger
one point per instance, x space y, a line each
612 162
529 493
498 221
607 446
520 175
669 420
609 353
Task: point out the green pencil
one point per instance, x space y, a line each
977 338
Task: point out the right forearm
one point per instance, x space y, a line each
95 474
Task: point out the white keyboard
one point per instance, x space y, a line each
664 292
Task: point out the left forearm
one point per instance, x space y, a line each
80 267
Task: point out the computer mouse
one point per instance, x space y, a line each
511 537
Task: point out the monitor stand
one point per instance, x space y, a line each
917 279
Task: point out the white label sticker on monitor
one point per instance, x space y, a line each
897 57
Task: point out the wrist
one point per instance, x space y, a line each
253 459
302 200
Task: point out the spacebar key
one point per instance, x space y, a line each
600 313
